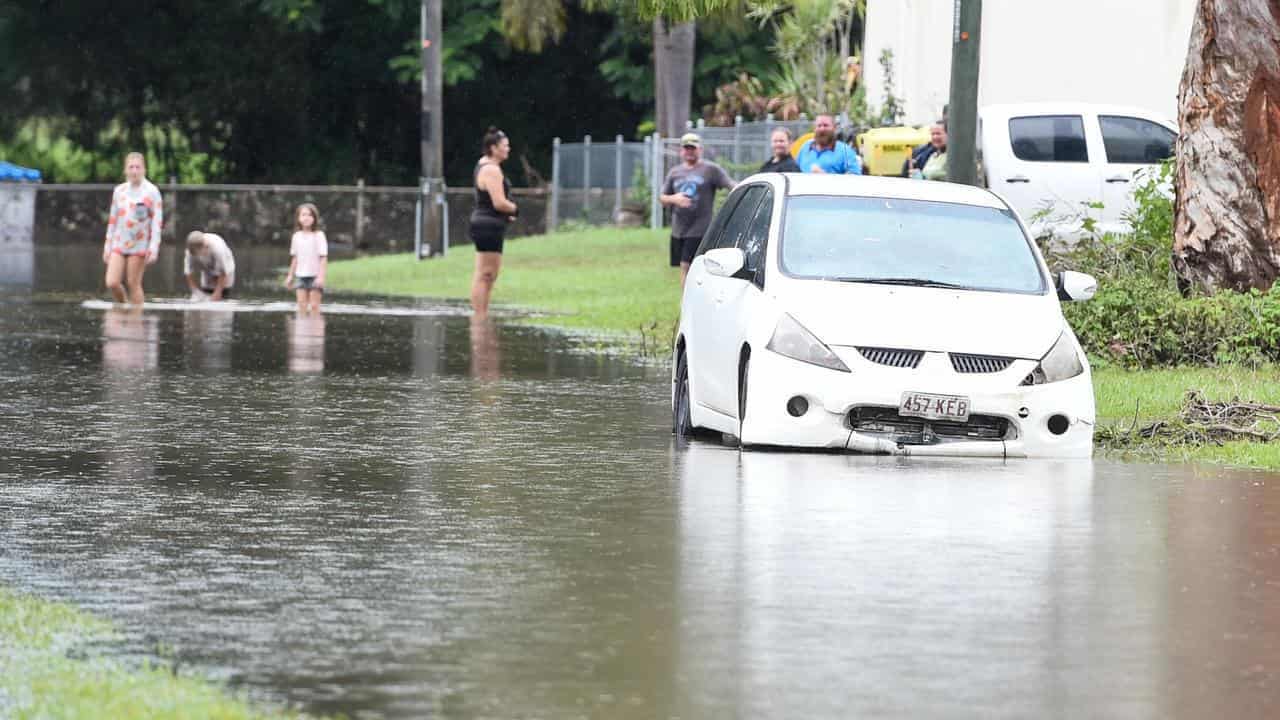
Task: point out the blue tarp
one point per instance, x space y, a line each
16 173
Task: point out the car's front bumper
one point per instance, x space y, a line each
1025 410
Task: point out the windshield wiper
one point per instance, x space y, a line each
913 282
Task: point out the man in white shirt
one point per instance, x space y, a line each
209 266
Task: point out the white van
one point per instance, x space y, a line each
1064 157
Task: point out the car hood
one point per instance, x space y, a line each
931 319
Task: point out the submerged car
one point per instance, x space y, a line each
879 315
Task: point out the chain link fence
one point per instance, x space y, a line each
618 182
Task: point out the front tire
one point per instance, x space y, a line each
681 407
742 394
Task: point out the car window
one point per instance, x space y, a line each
1048 138
858 239
1134 140
716 228
735 228
757 235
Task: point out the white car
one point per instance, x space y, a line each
1073 160
879 315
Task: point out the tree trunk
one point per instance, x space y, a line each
1227 211
673 53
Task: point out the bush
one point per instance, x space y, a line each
1141 318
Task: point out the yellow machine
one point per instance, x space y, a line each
884 150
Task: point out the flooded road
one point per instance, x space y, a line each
415 515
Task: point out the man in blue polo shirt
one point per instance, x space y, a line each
825 154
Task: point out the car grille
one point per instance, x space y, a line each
979 363
892 357
918 431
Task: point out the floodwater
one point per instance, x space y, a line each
413 515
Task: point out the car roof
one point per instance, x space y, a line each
886 187
1065 107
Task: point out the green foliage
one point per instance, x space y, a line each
1141 317
639 193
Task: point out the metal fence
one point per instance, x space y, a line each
619 182
358 217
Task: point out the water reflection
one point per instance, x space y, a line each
130 356
486 351
207 340
130 341
306 343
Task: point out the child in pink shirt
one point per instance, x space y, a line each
310 259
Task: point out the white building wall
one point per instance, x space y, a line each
1128 52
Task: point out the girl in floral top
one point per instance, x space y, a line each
133 231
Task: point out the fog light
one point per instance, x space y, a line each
1058 424
797 406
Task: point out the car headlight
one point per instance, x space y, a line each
792 340
1060 363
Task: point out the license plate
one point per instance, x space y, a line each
934 407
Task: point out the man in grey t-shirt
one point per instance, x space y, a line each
690 190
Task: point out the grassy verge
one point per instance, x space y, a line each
44 673
618 282
598 280
1134 398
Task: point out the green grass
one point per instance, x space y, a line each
45 672
600 280
1126 397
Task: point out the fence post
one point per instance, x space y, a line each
359 213
702 122
647 160
655 183
586 178
737 132
617 177
171 209
553 213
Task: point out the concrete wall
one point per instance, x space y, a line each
1128 52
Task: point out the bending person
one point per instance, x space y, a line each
489 219
133 231
209 266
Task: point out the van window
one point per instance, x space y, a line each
736 226
1048 138
1134 140
716 228
757 235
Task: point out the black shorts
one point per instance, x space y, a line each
683 249
487 238
306 282
226 292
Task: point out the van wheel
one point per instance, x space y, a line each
742 393
681 413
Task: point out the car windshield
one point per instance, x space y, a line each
908 242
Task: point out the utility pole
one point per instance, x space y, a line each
431 130
962 117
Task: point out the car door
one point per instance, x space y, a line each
1047 175
717 329
1130 144
748 231
697 304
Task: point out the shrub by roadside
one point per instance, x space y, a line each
1141 318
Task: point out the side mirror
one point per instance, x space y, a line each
724 262
1075 286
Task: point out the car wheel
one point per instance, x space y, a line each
681 414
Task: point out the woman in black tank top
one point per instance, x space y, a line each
489 219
